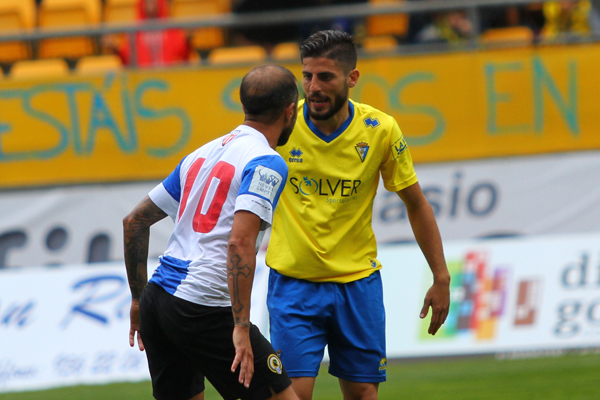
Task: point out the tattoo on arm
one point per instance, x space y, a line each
136 234
234 269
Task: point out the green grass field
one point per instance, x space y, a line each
570 377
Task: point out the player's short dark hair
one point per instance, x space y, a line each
266 91
335 45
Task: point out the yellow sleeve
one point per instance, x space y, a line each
397 167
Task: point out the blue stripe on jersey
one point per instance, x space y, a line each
337 132
274 162
172 183
170 273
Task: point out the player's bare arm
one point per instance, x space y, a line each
241 263
427 234
136 234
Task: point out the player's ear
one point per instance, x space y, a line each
353 78
290 110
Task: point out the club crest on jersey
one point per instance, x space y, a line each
371 122
230 137
398 147
296 155
362 148
275 364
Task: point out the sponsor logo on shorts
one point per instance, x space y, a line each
383 364
275 364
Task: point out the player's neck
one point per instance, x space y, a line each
271 132
328 126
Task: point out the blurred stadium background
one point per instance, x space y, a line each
498 101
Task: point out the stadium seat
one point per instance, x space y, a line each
202 39
515 34
48 68
231 55
376 44
286 51
15 15
98 64
392 24
197 7
120 10
65 13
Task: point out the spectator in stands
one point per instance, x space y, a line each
268 36
447 27
498 17
440 27
345 24
578 17
153 48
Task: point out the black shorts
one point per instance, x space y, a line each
186 342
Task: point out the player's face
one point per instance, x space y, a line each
325 87
288 128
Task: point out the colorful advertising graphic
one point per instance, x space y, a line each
507 295
478 293
137 125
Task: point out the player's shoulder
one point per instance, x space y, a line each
250 147
372 117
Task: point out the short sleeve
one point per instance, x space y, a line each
166 194
397 168
263 180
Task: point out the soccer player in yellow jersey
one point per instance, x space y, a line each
324 286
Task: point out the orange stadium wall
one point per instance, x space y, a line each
137 125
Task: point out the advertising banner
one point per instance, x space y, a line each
71 225
507 295
69 325
557 193
137 125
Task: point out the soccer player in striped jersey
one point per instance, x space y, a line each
324 285
193 316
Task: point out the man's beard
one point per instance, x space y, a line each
338 102
287 132
285 135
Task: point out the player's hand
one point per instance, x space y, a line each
134 319
438 298
243 354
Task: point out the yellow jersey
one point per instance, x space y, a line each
322 226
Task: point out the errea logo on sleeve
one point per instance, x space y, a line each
265 182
